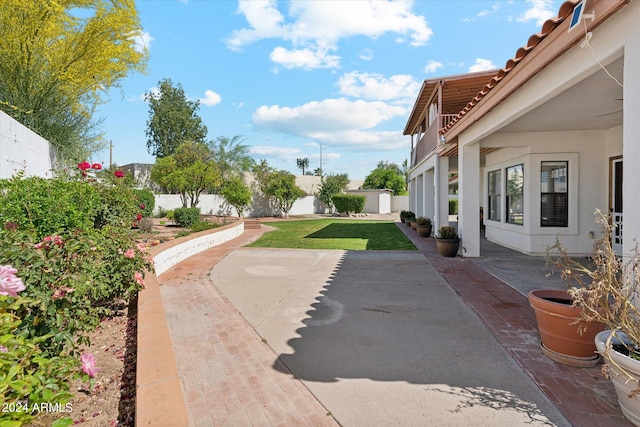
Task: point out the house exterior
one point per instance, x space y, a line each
541 146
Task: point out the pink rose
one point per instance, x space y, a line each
138 217
89 364
10 284
84 166
130 253
118 174
137 276
96 166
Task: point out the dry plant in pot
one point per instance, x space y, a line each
607 291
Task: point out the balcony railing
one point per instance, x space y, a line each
429 140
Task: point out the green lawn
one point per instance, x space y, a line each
335 234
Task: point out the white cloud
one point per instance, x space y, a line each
375 87
366 55
264 19
539 11
326 115
315 26
433 66
210 98
142 41
482 65
494 9
303 58
273 152
338 122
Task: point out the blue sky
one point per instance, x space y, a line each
292 76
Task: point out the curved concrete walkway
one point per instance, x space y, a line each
377 338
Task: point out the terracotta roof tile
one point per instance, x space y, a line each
565 10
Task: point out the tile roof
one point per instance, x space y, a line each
565 10
456 92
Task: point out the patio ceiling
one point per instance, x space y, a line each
592 104
456 92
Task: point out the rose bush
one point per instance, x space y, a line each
70 240
29 379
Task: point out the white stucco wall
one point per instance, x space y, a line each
586 153
23 149
212 204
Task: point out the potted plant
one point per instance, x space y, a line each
447 241
407 217
423 226
403 216
607 291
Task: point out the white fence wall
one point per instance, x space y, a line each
399 203
23 149
213 204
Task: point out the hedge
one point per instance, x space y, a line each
348 203
186 217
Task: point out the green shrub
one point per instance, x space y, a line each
27 376
349 203
146 200
161 212
201 225
421 220
170 214
447 232
186 217
453 207
70 240
76 259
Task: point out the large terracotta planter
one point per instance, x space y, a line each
561 340
413 224
423 230
630 405
447 247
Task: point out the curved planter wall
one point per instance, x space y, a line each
159 398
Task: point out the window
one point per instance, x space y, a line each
494 195
554 200
515 194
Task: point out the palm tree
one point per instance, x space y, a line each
232 156
303 164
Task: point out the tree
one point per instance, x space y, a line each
237 194
302 163
232 156
173 119
281 186
386 175
332 185
189 172
58 63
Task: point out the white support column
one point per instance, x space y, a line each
429 195
469 199
441 196
631 144
420 196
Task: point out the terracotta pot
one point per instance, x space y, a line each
447 247
561 340
630 405
423 230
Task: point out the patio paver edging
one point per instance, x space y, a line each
159 396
